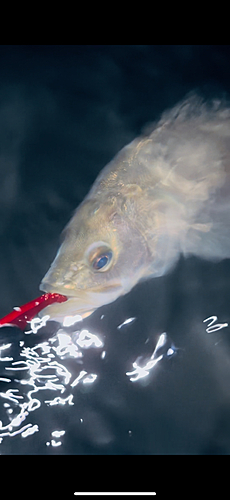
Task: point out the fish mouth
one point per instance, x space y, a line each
79 303
75 308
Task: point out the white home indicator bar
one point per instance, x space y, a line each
115 493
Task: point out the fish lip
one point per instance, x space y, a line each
48 288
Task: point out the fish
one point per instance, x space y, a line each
164 195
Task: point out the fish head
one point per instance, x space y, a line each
103 255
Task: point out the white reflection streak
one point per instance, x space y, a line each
77 380
9 395
60 401
87 339
214 328
37 323
3 347
86 380
66 347
7 430
126 322
161 342
12 434
57 434
55 443
90 379
62 371
143 371
30 430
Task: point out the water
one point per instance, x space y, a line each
156 382
70 369
148 374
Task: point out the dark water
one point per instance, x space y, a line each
159 384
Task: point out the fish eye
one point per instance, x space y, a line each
99 256
102 261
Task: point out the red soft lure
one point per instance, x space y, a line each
22 315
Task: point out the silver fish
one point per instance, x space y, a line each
165 194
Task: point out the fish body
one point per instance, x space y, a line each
164 194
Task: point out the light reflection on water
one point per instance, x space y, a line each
43 378
41 369
142 370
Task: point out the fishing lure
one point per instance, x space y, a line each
22 315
